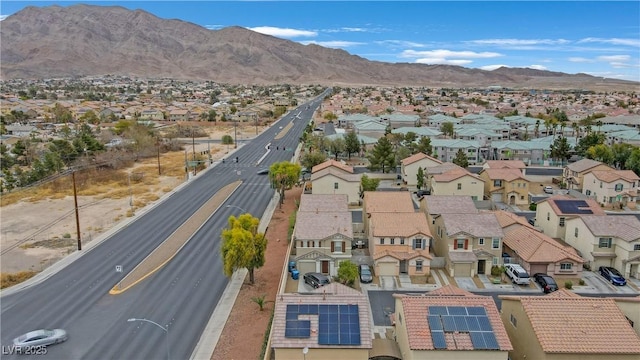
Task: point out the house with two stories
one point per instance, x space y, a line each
534 251
611 240
323 233
612 187
573 174
506 164
566 326
334 177
180 115
409 167
451 179
450 323
553 212
505 185
331 322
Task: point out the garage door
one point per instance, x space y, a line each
461 269
496 197
600 262
306 266
387 269
538 268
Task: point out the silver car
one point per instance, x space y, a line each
42 337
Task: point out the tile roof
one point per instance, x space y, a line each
417 157
331 162
313 226
454 174
388 202
442 168
400 255
332 294
324 202
416 309
536 247
478 225
507 174
506 219
450 204
614 175
593 205
584 164
625 227
502 164
566 323
335 172
399 224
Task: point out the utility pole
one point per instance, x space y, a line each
235 134
193 143
158 141
75 200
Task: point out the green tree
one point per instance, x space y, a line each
312 158
227 140
90 117
447 128
424 146
368 184
352 145
589 140
242 245
420 178
65 149
347 272
461 159
621 153
633 162
337 146
283 176
602 153
560 149
6 160
329 116
381 157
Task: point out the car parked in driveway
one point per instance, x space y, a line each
612 275
548 190
365 273
517 274
38 338
546 282
316 279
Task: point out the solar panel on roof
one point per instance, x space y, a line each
485 325
438 310
472 323
438 339
457 310
434 322
476 310
297 329
477 340
338 325
448 322
461 323
490 340
573 207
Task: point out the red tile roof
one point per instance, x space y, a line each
331 162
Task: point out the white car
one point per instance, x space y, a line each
517 274
548 190
37 338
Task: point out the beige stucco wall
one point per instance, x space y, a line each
549 227
631 309
321 354
607 190
325 185
471 186
410 171
580 175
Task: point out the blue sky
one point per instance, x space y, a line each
600 38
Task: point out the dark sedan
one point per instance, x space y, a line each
612 275
546 282
365 273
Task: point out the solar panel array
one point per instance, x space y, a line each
573 206
462 319
337 324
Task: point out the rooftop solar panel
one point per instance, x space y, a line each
490 340
476 310
472 323
457 310
438 339
477 340
438 310
485 325
448 322
434 322
573 207
461 323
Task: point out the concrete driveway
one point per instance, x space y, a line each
595 283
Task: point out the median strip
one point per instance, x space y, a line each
161 255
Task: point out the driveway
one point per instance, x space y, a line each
595 283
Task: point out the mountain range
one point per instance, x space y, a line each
88 40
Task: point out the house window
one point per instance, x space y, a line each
513 321
480 241
494 260
419 265
459 186
337 246
417 244
588 192
335 185
401 241
310 244
381 241
459 244
561 221
392 241
548 217
575 232
636 247
495 244
618 187
600 184
566 266
604 243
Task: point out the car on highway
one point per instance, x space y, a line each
263 172
548 190
316 279
365 273
546 282
39 338
612 275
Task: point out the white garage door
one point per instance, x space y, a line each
306 266
496 197
387 269
538 268
462 269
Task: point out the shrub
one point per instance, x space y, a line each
67 236
497 270
533 206
581 282
568 285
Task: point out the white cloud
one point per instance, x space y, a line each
443 54
2 17
580 60
214 27
614 41
333 44
492 67
520 42
353 29
400 43
443 61
283 32
537 67
614 58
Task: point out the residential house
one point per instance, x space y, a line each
553 212
564 325
450 323
334 177
573 174
612 240
151 114
505 185
372 128
399 243
19 130
454 180
180 115
331 322
409 167
396 121
535 251
506 164
612 187
446 149
470 243
384 202
323 234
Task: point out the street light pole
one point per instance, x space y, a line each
165 329
237 207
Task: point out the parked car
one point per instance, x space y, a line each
365 273
423 192
517 274
548 190
546 282
316 279
38 338
263 172
612 275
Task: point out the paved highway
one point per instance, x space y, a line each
182 295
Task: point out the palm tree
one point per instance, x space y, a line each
576 131
599 125
536 130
